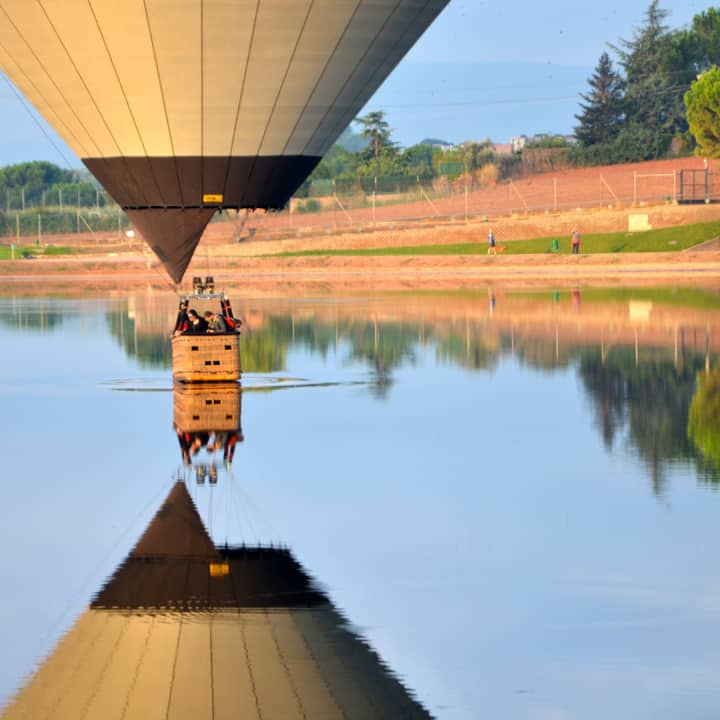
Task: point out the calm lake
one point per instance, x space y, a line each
486 504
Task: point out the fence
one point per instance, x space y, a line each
698 186
379 202
64 197
459 200
40 225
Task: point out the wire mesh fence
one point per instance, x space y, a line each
375 202
337 206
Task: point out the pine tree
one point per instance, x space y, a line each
376 129
602 113
703 112
652 93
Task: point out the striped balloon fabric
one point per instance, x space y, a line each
183 107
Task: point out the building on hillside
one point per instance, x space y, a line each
518 142
439 144
503 148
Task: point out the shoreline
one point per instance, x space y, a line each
365 270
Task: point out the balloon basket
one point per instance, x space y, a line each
206 358
207 408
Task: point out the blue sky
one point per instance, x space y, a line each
560 32
496 70
484 69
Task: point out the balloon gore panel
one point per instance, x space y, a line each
174 182
173 234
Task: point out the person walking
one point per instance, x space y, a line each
575 241
492 249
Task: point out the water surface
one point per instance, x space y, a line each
509 495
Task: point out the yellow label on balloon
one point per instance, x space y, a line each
212 199
219 569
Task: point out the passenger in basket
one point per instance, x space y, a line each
198 325
215 324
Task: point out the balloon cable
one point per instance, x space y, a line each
36 121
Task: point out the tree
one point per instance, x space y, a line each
475 154
703 112
376 129
706 31
652 92
602 113
418 160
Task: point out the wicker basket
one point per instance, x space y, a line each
207 408
206 358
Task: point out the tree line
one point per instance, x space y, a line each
634 109
43 184
645 104
377 163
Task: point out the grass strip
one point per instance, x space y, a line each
672 239
24 251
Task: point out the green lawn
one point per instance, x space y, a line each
20 250
666 239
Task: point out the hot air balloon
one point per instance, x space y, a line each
185 630
184 107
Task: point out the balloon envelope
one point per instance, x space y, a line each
181 107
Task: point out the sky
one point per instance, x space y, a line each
483 69
488 69
560 32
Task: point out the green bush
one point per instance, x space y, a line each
309 206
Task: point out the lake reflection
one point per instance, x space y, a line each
184 629
639 375
509 494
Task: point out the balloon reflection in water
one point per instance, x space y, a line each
207 417
185 629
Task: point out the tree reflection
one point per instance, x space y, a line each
641 397
704 420
650 399
151 349
384 348
33 317
263 350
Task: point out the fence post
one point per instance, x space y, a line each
466 200
22 197
517 192
425 195
635 188
39 234
555 194
17 227
604 182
